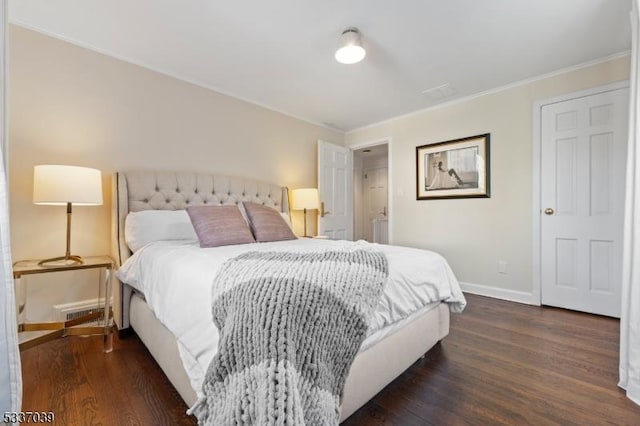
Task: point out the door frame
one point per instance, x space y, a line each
388 141
536 293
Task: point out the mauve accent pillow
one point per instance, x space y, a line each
219 226
267 224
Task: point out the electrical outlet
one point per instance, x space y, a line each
502 266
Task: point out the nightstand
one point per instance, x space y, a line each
101 319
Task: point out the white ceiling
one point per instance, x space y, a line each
279 53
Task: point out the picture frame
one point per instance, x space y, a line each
457 168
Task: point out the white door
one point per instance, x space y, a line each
335 185
375 182
583 155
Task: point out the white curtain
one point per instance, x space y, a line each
10 372
630 318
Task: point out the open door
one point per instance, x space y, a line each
335 186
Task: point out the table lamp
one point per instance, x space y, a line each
305 199
57 185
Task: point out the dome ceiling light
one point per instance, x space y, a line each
351 50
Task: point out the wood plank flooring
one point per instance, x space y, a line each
502 364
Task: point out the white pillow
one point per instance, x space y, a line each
141 228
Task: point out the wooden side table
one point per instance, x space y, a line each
103 319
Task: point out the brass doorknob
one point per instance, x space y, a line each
548 211
323 212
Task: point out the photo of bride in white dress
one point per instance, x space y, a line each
456 168
444 179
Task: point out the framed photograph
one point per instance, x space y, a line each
453 169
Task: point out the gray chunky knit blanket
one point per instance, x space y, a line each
290 326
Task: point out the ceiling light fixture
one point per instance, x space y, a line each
351 50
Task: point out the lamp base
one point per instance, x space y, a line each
66 260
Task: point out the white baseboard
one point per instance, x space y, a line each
500 293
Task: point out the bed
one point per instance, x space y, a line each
407 327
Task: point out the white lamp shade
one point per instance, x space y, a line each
351 50
59 185
305 198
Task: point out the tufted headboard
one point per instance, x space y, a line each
161 190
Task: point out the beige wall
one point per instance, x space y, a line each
474 234
70 105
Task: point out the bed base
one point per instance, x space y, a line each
371 371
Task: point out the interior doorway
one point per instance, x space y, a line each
371 193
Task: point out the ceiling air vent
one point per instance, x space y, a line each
440 93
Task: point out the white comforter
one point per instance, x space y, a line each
176 277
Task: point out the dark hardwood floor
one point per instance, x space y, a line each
503 363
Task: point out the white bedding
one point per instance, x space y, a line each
176 277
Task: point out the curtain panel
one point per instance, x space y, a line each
10 372
630 318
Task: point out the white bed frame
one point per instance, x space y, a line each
372 369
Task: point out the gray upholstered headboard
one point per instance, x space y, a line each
161 190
